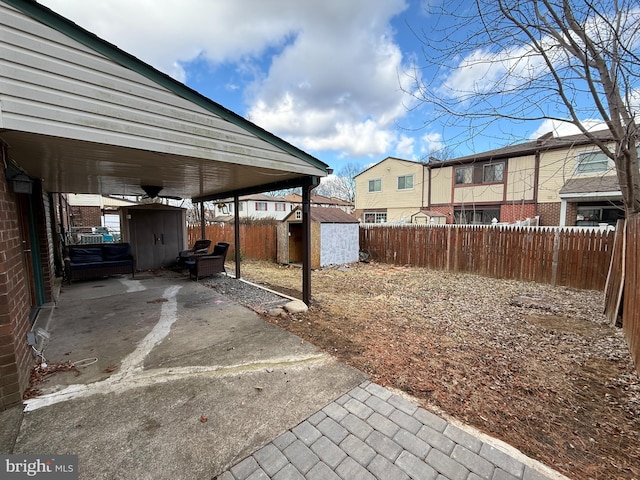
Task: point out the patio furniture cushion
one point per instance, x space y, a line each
85 255
103 265
116 252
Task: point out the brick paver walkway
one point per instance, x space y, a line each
371 433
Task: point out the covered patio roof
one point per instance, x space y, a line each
84 116
80 115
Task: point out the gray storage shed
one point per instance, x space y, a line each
334 237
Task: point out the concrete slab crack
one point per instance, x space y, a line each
132 374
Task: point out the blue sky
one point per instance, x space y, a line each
328 76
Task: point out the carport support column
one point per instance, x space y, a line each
203 227
236 233
312 183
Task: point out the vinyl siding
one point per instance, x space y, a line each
521 178
441 182
53 85
390 197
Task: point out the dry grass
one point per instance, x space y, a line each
534 365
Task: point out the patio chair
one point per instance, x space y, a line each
200 247
207 265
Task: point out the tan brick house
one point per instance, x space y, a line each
561 180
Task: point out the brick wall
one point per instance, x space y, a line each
15 355
512 213
86 216
549 214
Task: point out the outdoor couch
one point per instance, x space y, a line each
87 261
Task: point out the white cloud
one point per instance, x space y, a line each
431 142
562 129
326 73
405 147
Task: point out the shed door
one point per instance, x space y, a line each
295 243
156 237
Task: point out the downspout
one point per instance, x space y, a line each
236 233
536 177
422 195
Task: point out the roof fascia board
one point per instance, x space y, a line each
613 193
312 181
389 158
498 155
90 40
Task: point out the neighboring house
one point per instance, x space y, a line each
90 211
561 180
390 191
257 205
335 237
321 201
79 115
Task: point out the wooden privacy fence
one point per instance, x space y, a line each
577 258
622 304
257 242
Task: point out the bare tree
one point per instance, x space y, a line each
530 60
342 185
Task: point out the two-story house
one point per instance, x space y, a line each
390 191
561 180
254 206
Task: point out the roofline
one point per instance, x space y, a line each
530 147
62 24
390 158
610 193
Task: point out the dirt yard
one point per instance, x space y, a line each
533 365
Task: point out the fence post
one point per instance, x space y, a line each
556 252
448 249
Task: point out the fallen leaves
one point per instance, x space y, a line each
535 365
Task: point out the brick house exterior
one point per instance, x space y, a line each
556 180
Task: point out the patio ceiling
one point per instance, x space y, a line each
74 166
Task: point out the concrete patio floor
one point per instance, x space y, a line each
176 381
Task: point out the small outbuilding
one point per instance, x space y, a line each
427 217
335 237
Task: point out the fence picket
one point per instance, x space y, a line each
561 256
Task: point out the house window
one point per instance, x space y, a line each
464 175
375 217
298 214
493 172
280 207
476 216
240 206
592 162
375 185
405 182
261 206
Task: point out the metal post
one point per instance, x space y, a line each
203 228
306 243
236 232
